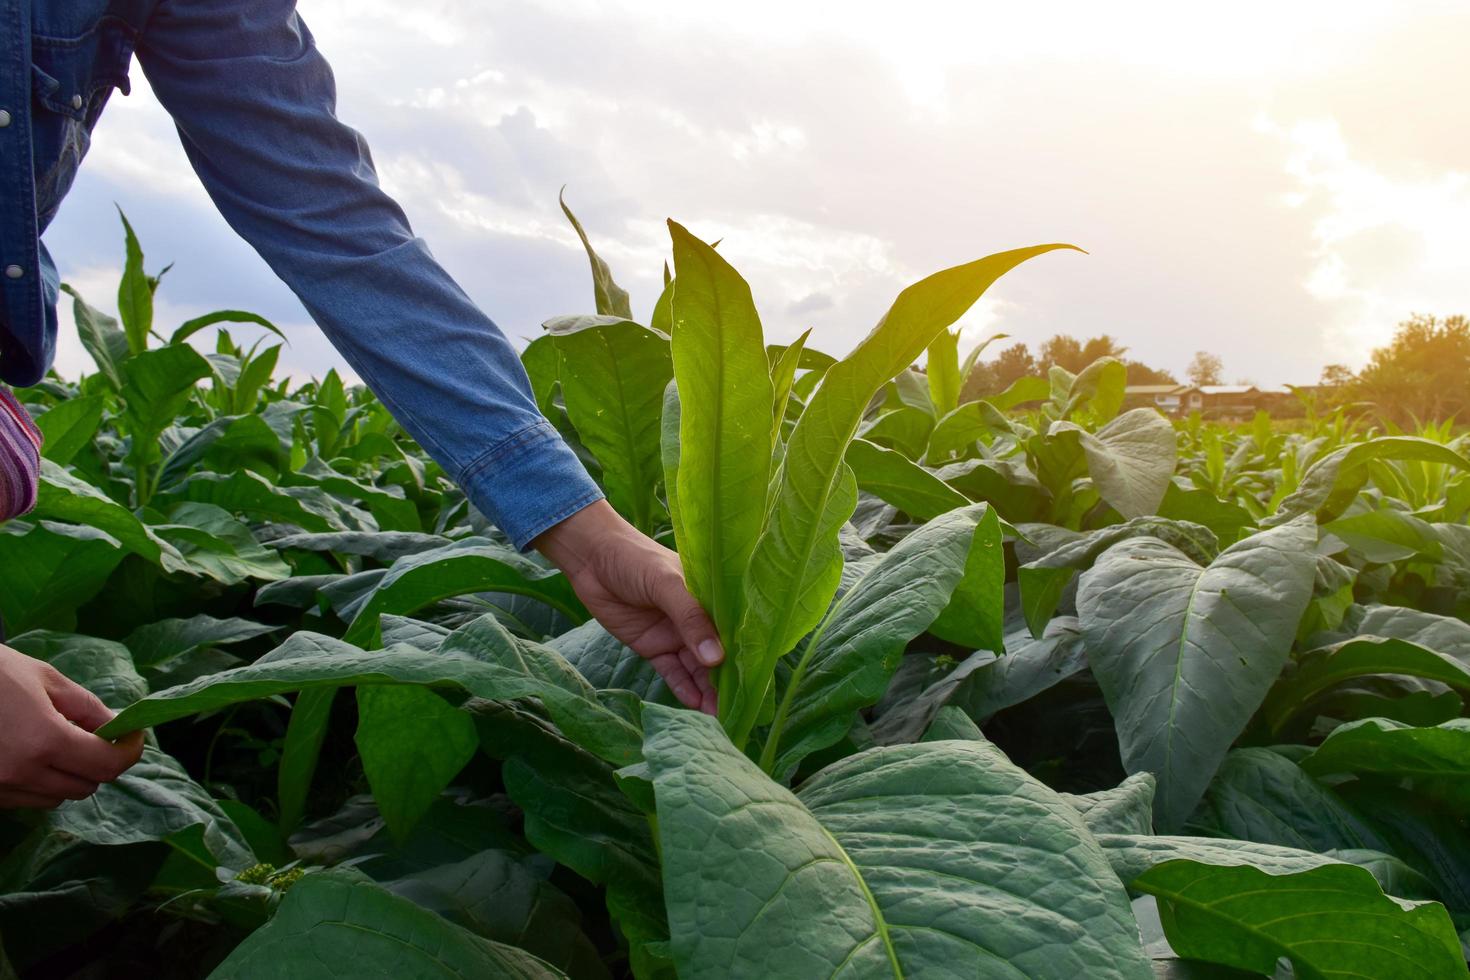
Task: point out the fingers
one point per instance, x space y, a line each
689 618
708 700
21 800
676 675
53 783
85 755
77 704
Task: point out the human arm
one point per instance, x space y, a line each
254 103
48 754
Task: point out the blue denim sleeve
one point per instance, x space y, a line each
254 102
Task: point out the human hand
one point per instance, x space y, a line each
48 753
635 588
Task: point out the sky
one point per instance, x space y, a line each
1276 183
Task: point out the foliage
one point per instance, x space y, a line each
1019 683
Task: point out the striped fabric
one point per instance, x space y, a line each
20 458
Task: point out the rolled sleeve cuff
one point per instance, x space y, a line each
529 482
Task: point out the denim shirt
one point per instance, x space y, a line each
254 103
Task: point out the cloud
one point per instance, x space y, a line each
842 158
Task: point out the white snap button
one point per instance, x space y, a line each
76 101
14 272
4 119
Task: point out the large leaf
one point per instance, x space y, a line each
576 813
481 660
1322 669
610 298
849 658
61 496
985 683
470 565
102 338
153 801
165 639
793 572
1436 760
134 293
1331 921
613 374
412 744
725 399
1262 796
504 897
337 924
943 371
900 481
896 862
50 570
1332 483
1185 654
1130 459
156 385
68 426
103 667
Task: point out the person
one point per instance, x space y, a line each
254 104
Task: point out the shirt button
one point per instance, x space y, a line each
14 272
76 101
4 119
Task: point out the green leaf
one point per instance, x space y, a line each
783 374
849 658
191 327
480 660
608 664
504 897
68 426
613 375
975 616
63 497
217 545
165 639
905 429
153 801
156 386
542 364
310 717
1324 668
1098 391
412 744
1127 808
384 546
795 567
50 570
1332 921
576 813
252 496
1436 760
943 371
338 924
985 684
611 299
103 667
1185 654
896 862
469 565
1262 796
102 338
725 399
134 293
961 428
1332 483
901 482
1130 459
1227 519
1383 536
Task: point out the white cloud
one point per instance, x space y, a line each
842 156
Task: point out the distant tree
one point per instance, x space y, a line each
1141 374
1103 346
1011 365
1337 376
1064 352
1205 369
1423 374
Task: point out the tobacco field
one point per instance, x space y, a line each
1030 686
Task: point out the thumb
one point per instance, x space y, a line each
689 618
77 704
